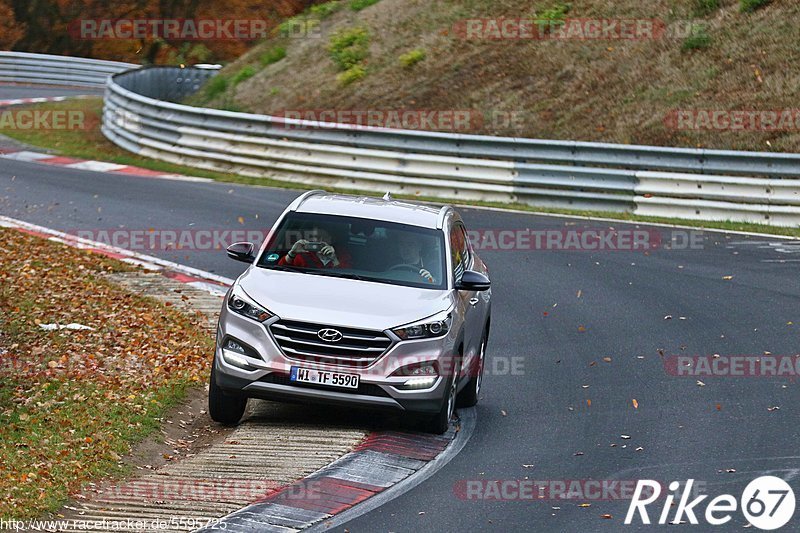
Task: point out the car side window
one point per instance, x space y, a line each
459 250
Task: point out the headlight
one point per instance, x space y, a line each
241 304
435 326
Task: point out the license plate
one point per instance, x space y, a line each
323 377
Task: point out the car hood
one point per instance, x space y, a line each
339 301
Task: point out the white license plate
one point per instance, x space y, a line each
323 377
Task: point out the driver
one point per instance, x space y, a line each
317 254
410 251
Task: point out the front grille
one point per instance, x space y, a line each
364 389
358 347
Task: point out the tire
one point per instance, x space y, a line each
440 422
224 407
468 397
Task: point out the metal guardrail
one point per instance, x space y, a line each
141 115
45 69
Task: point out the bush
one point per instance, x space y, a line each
554 15
348 48
216 86
353 74
409 59
324 10
748 6
244 74
273 55
704 8
698 40
358 5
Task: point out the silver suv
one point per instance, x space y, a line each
355 301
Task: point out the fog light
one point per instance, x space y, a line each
235 359
419 383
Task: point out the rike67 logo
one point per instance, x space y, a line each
767 502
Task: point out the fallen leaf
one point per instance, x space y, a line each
635 403
581 329
584 505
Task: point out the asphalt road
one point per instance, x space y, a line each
562 313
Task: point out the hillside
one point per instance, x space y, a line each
703 57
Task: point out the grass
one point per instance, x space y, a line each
351 75
245 73
272 55
412 57
349 47
703 8
698 40
91 144
553 15
216 86
358 5
748 6
324 10
72 403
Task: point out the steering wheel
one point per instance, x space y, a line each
405 266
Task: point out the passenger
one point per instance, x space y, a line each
317 254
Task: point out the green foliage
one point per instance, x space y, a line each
273 55
748 6
324 10
245 73
216 86
553 15
698 40
703 8
349 47
358 5
411 58
353 74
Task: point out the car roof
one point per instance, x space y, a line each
386 209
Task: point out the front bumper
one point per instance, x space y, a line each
268 379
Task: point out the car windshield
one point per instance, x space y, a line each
357 248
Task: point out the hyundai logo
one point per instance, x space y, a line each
330 335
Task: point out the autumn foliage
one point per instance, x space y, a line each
45 26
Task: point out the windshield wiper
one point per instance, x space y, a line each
318 272
285 268
344 275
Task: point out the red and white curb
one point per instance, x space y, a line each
94 166
191 276
385 465
39 100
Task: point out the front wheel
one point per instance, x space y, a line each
440 422
223 407
468 397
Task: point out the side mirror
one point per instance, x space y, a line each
473 281
242 251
